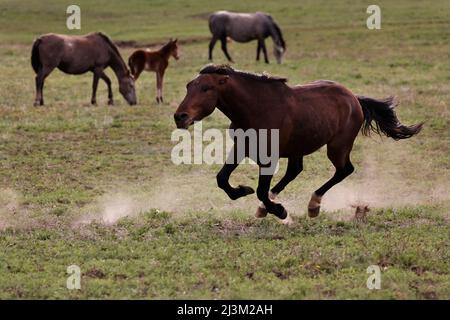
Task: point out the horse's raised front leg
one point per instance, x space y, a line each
223 40
263 194
40 78
223 177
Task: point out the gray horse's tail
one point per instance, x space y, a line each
278 31
35 57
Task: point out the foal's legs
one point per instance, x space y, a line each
294 167
159 86
223 40
212 43
224 175
40 78
340 157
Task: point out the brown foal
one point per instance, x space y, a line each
156 61
306 117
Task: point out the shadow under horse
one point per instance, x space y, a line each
77 55
245 27
307 117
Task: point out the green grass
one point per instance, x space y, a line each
67 161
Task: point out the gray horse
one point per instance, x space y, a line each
245 27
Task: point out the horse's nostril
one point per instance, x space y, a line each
180 116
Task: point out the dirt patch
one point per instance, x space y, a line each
136 44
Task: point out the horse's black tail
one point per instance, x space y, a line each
380 117
35 57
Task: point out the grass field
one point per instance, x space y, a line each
68 171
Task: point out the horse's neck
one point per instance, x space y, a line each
117 64
238 105
166 51
274 34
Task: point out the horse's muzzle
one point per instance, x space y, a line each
182 120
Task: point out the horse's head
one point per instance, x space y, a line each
278 51
201 99
127 89
174 44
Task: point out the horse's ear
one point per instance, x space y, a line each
175 41
223 79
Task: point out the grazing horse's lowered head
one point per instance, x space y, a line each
127 88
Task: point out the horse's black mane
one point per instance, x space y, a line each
110 42
227 70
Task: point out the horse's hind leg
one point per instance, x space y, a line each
212 43
94 89
340 157
223 40
40 78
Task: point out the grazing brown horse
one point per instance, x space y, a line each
307 117
79 54
156 61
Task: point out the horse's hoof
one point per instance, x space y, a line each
110 103
261 211
36 104
272 195
314 205
245 190
287 221
313 212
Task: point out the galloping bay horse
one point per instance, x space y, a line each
156 61
307 117
245 27
77 55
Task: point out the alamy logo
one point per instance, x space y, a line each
374 20
374 280
74 20
262 144
74 280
